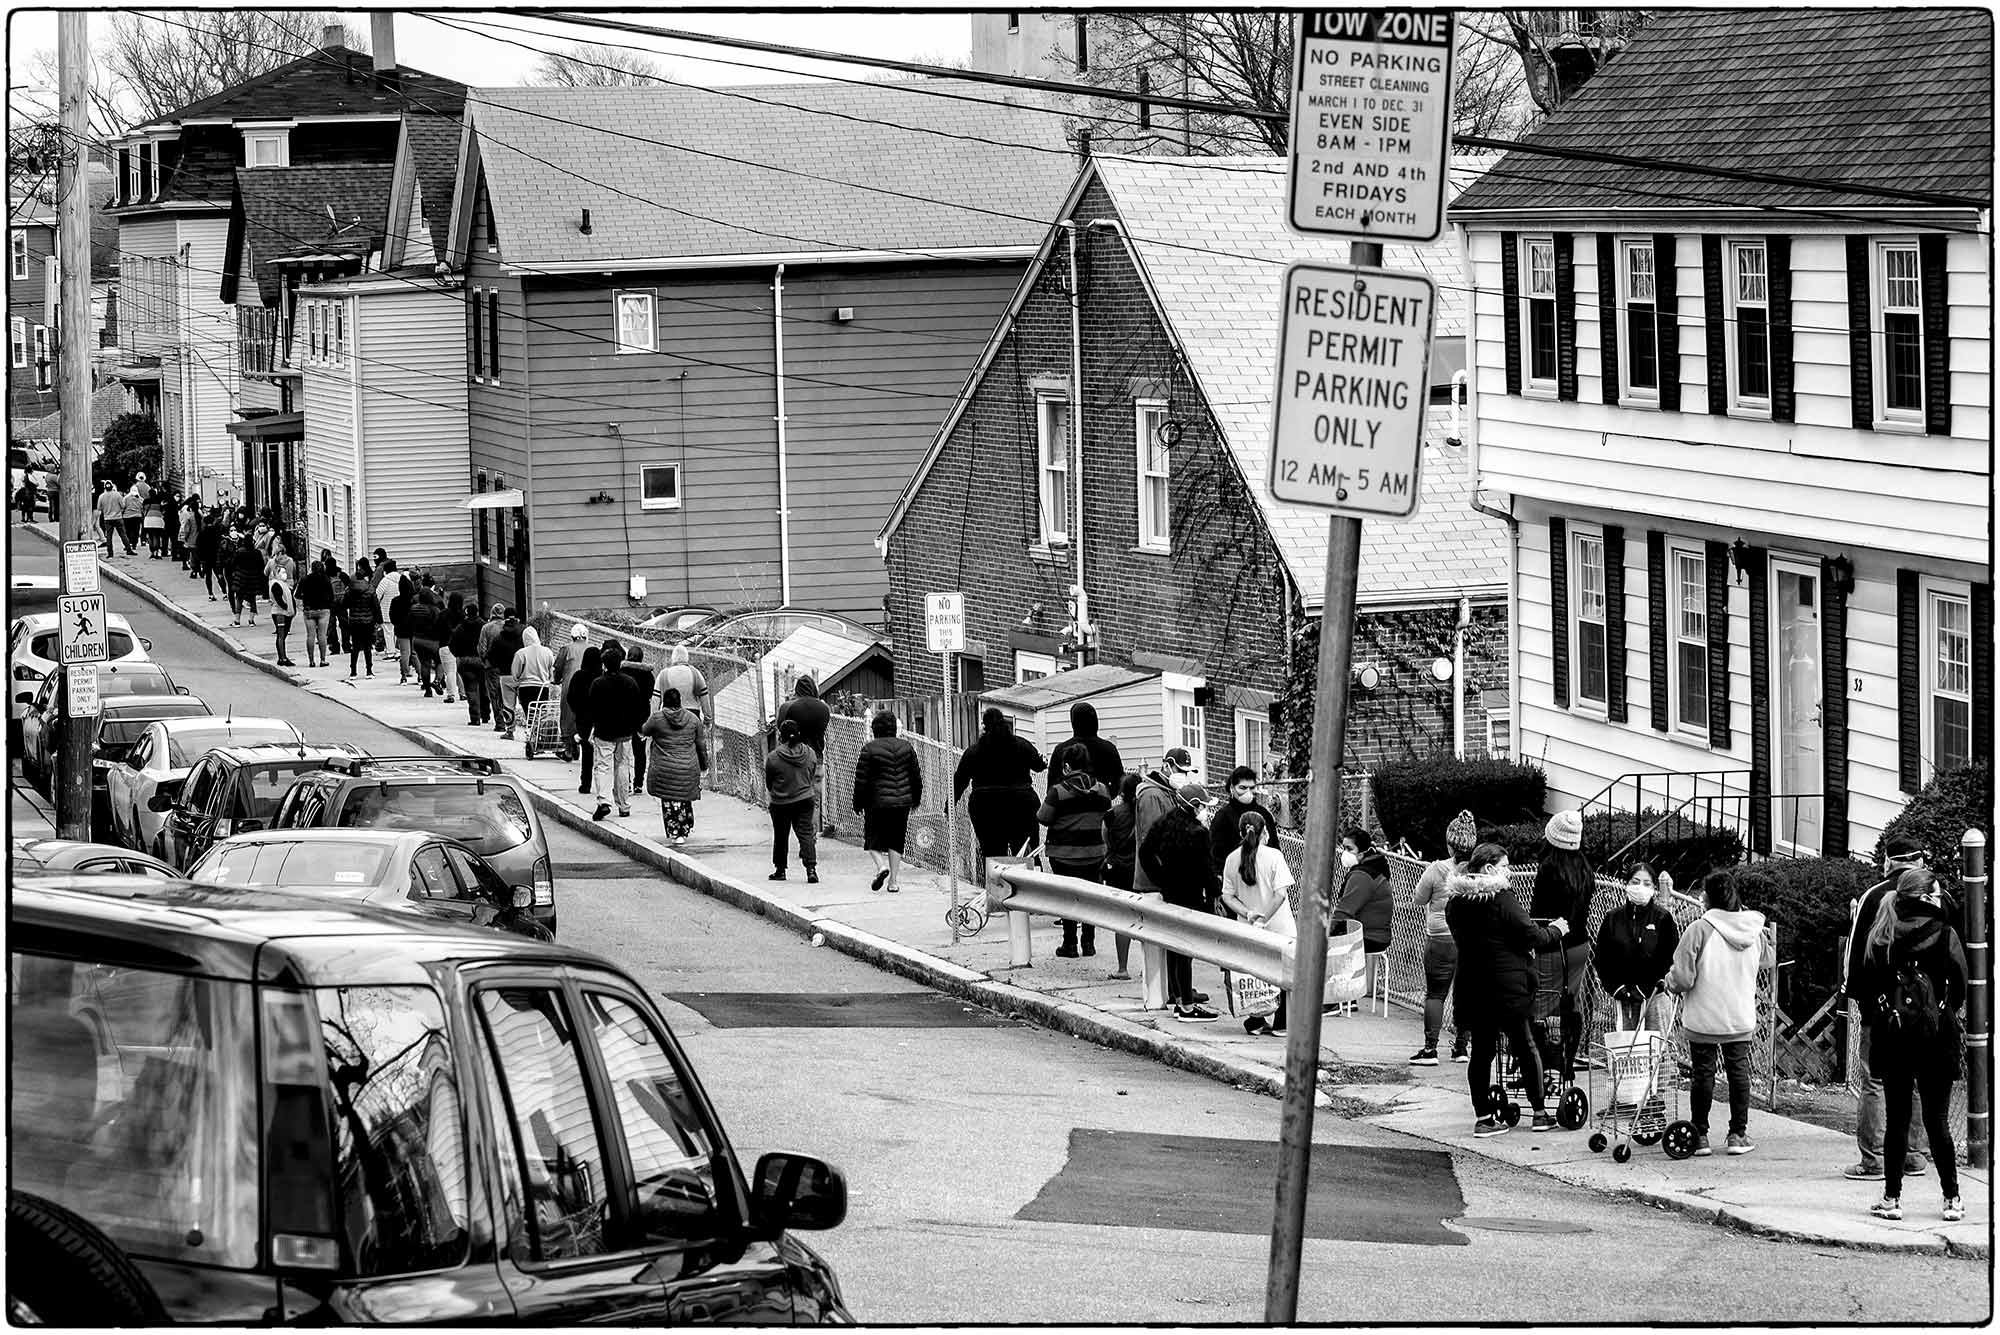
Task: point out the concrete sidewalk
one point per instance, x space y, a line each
1790 1187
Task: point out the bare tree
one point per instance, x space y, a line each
155 62
1488 96
593 65
1558 49
1240 57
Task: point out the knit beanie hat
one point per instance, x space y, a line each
1462 833
1564 830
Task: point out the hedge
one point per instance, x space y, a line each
1810 899
1521 839
1417 799
1939 816
1689 849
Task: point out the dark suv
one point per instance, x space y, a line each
467 798
231 790
271 1109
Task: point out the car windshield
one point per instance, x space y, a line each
44 645
262 785
133 1103
128 682
270 864
188 745
118 732
487 822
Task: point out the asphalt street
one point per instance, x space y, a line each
1002 1173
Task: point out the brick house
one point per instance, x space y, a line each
1190 569
1746 427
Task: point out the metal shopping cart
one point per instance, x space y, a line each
1633 1083
1572 1104
544 727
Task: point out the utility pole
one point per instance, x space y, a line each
72 782
1978 1003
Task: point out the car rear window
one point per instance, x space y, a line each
133 683
487 822
306 862
259 787
191 744
133 1102
44 645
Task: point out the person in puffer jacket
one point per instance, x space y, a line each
1494 992
1074 812
888 786
1636 944
1715 975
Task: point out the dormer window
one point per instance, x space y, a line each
152 161
128 183
267 148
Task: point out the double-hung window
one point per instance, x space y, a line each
1539 254
1052 465
17 341
1687 622
1948 679
1592 664
635 331
1900 339
43 371
1748 286
17 246
1155 517
1641 363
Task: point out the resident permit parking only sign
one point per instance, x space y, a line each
1371 123
1353 383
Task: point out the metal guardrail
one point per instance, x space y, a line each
1158 926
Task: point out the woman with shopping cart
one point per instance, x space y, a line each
1495 985
1635 947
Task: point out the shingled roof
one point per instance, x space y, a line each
332 81
293 211
434 142
1877 96
745 171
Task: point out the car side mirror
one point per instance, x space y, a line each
797 1191
25 698
182 690
247 824
145 644
161 802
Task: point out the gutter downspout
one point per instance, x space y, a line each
1076 435
360 538
1458 677
1513 531
784 477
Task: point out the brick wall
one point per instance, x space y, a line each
1408 714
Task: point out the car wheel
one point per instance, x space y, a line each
63 1271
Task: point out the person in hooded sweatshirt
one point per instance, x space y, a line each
617 712
1106 766
1367 897
534 672
1225 827
1074 814
1174 855
1494 991
686 678
426 628
679 758
806 709
1910 984
316 601
791 774
1715 975
1433 892
1152 799
358 609
1121 852
1636 944
996 768
500 667
472 683
576 699
569 661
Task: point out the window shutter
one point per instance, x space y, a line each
1510 305
1909 682
1860 342
1559 611
474 334
1607 313
1565 317
1778 267
1833 711
1982 674
1937 335
1656 626
1718 647
493 335
1715 333
1667 317
1760 703
1614 624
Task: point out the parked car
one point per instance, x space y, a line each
679 618
467 798
113 679
32 593
118 724
161 758
29 856
317 1113
405 869
32 656
231 790
776 625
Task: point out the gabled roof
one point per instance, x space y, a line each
1211 243
1879 96
824 655
286 212
106 403
794 168
433 143
332 81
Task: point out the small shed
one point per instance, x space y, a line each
836 662
1130 706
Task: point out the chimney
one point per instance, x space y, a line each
334 35
382 33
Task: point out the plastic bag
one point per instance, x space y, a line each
1252 996
1346 965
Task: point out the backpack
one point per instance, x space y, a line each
1911 1006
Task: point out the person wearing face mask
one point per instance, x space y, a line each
1495 987
1255 881
1433 892
1715 974
1174 856
1366 897
1224 828
1635 945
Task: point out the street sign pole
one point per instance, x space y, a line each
72 767
1979 1003
951 805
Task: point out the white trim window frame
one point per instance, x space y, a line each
1155 499
1052 440
1587 614
17 251
1686 613
153 170
1253 739
1947 676
670 495
1539 368
323 514
17 341
128 179
339 312
1898 332
1746 293
1030 666
278 141
43 371
633 320
1500 734
1639 320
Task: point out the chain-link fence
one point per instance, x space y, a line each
1857 1076
927 841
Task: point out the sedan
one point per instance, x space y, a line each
161 759
112 733
42 723
413 870
32 656
65 855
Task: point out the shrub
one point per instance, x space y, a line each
1810 900
1416 799
1689 849
1949 805
131 446
1521 839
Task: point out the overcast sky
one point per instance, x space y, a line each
487 60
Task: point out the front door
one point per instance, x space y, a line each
1797 809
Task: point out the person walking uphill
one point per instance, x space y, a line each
316 601
1074 812
426 640
246 581
534 672
1636 944
1494 992
674 768
1106 766
1564 888
1911 983
500 652
888 785
791 773
996 767
359 609
569 662
1174 856
576 699
617 711
806 709
1715 974
1433 892
472 683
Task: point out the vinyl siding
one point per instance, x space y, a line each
413 423
209 328
254 394
328 396
145 326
